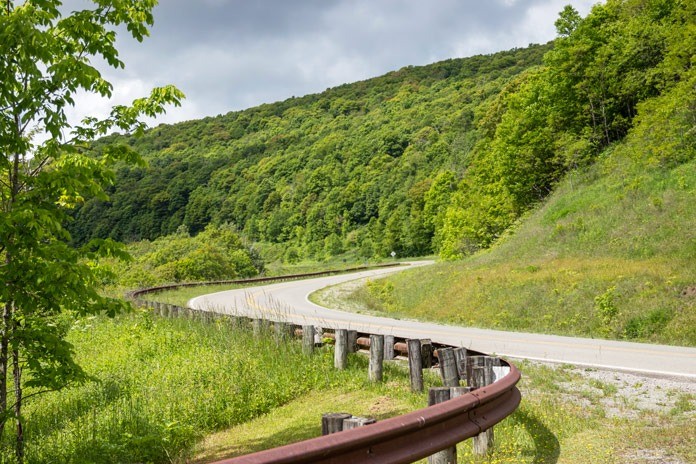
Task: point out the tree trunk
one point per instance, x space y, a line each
17 374
4 363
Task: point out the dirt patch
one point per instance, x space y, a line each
383 406
651 456
689 292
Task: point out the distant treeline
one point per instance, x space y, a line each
433 159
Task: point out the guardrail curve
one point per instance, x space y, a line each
406 438
401 439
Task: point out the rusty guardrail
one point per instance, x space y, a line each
402 439
405 438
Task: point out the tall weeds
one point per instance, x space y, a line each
160 385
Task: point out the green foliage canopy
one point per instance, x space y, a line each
345 169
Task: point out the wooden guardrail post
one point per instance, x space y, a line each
388 347
318 336
460 356
472 363
376 357
332 422
258 327
341 349
482 375
352 341
283 331
355 422
427 353
448 367
415 364
438 395
308 339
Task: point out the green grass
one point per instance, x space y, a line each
610 254
298 420
562 418
162 385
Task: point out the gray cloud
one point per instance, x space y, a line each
232 54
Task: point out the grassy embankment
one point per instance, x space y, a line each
183 391
612 253
162 385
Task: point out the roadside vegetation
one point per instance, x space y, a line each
157 386
564 417
184 391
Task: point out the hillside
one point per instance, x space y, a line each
435 159
347 168
610 254
607 256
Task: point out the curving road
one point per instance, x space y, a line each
288 301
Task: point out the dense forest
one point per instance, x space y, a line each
433 159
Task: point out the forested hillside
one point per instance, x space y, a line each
440 158
351 167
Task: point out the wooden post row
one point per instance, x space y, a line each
333 422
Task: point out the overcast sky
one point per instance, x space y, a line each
229 55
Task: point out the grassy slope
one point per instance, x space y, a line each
611 253
563 418
161 385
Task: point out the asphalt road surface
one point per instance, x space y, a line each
288 301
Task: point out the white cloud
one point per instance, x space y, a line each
229 55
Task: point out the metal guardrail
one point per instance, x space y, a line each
403 439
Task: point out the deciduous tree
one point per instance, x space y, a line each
47 57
